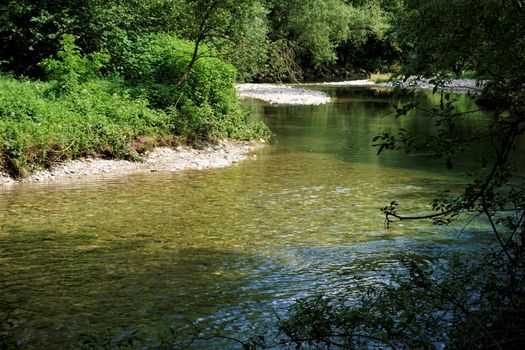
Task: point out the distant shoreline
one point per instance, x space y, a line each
454 85
280 94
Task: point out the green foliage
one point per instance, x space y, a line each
249 52
30 29
444 40
262 38
157 62
72 69
236 31
318 27
478 305
485 36
370 46
38 128
206 102
326 34
465 302
77 114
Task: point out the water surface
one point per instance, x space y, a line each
224 248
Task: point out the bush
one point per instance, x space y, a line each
206 102
39 127
77 113
73 68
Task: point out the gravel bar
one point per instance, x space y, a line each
220 155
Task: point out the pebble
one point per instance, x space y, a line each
282 94
220 155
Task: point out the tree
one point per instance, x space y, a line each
368 46
315 28
30 31
321 36
220 24
485 36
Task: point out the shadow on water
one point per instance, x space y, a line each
62 289
55 293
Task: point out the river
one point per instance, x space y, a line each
225 248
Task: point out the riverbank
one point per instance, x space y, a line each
455 85
219 155
225 152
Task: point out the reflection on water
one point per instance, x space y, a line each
222 248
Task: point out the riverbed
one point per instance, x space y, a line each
225 249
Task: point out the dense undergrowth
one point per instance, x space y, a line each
40 126
77 112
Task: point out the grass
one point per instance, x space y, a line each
468 74
381 77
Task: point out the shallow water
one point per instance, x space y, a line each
223 248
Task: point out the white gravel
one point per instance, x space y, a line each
282 94
455 85
222 154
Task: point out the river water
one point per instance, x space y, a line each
224 249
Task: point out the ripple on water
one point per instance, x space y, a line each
223 248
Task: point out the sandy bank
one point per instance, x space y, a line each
282 94
220 155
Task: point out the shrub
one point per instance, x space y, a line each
469 303
38 127
206 102
77 113
72 68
